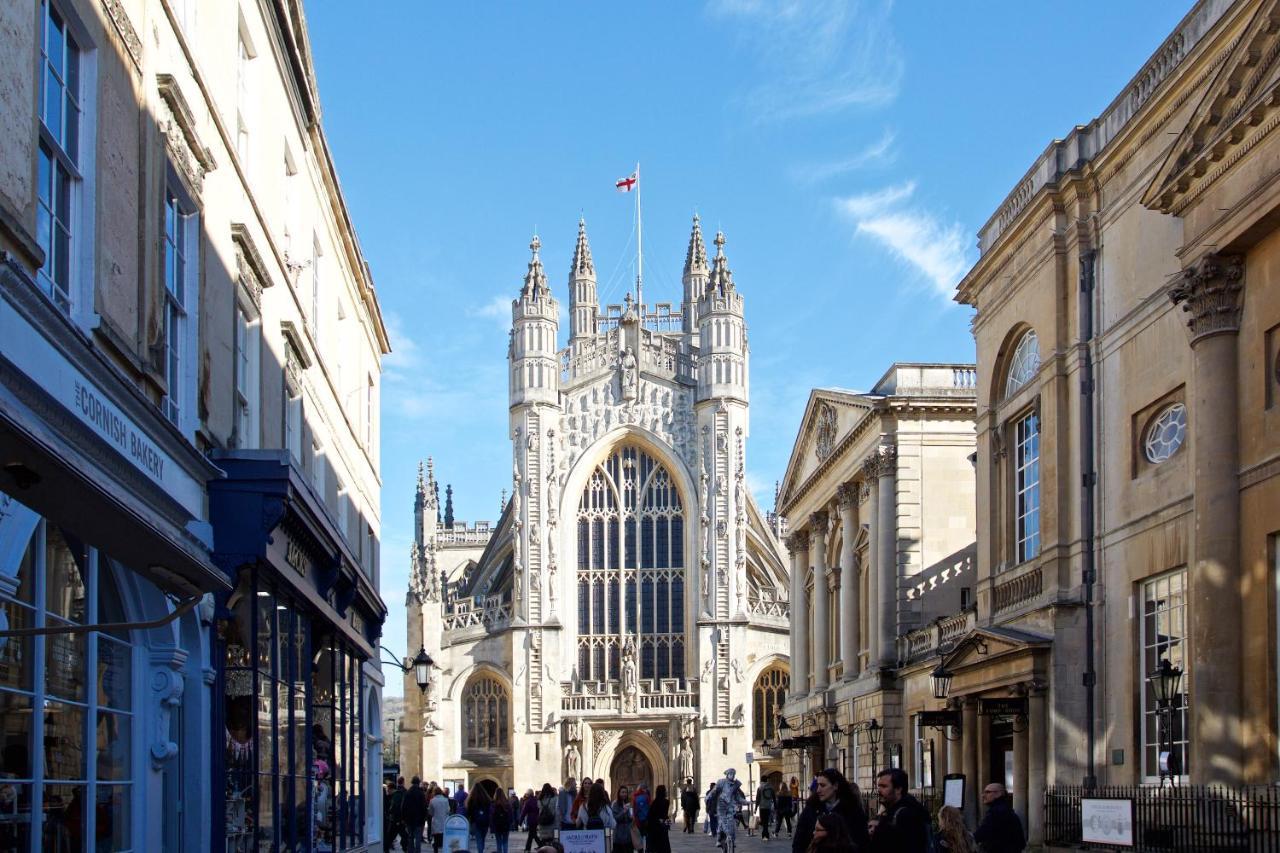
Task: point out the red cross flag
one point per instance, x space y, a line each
627 184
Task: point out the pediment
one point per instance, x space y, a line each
829 416
1240 106
983 645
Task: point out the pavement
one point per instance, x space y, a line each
697 842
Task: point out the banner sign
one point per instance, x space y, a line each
1002 707
583 840
938 719
457 834
1106 821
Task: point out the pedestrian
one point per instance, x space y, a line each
460 800
710 799
438 809
501 820
545 827
766 802
595 812
831 835
1000 830
953 835
396 828
529 818
453 806
479 811
729 801
413 811
658 823
786 808
689 805
564 803
832 795
624 822
640 802
579 800
903 825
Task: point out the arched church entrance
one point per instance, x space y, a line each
630 768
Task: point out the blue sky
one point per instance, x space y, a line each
849 150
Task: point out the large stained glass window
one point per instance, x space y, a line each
485 715
767 699
631 569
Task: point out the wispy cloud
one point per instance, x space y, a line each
497 309
819 56
879 153
914 235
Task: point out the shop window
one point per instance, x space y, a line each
1163 637
768 697
67 736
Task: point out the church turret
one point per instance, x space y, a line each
535 324
448 506
722 362
426 504
695 280
584 307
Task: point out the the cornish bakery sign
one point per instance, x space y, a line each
111 425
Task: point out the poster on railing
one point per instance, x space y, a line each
583 840
457 834
1106 821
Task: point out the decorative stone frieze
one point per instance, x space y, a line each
1210 292
825 431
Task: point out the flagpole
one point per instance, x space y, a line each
639 251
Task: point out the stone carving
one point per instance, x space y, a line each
630 677
572 761
825 431
684 759
166 687
630 375
1210 292
847 496
601 738
882 461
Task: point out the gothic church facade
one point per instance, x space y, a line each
627 616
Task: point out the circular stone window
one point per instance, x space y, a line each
1166 433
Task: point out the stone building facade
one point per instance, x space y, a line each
1128 335
627 618
190 351
879 497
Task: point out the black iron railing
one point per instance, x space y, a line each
1188 817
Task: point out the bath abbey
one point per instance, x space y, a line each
626 616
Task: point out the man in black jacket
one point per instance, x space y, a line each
413 812
1001 830
903 826
689 803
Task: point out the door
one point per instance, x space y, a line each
630 768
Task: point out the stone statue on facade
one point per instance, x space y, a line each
630 677
572 761
630 375
685 760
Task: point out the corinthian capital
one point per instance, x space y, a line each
881 462
819 523
797 542
847 496
1210 293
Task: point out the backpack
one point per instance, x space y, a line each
767 798
642 809
501 820
713 803
594 821
930 837
546 813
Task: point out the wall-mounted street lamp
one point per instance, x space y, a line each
940 679
421 666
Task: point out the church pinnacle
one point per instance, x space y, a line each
721 277
695 260
582 264
535 280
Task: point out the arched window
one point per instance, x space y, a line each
1024 363
630 568
486 715
767 699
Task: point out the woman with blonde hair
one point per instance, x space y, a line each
953 835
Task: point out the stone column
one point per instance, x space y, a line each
818 523
1037 763
1210 293
883 465
969 725
872 568
799 546
850 603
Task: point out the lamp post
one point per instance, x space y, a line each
837 741
421 666
874 732
1164 680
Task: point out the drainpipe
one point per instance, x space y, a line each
1088 486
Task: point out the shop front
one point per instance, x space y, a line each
105 567
299 682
